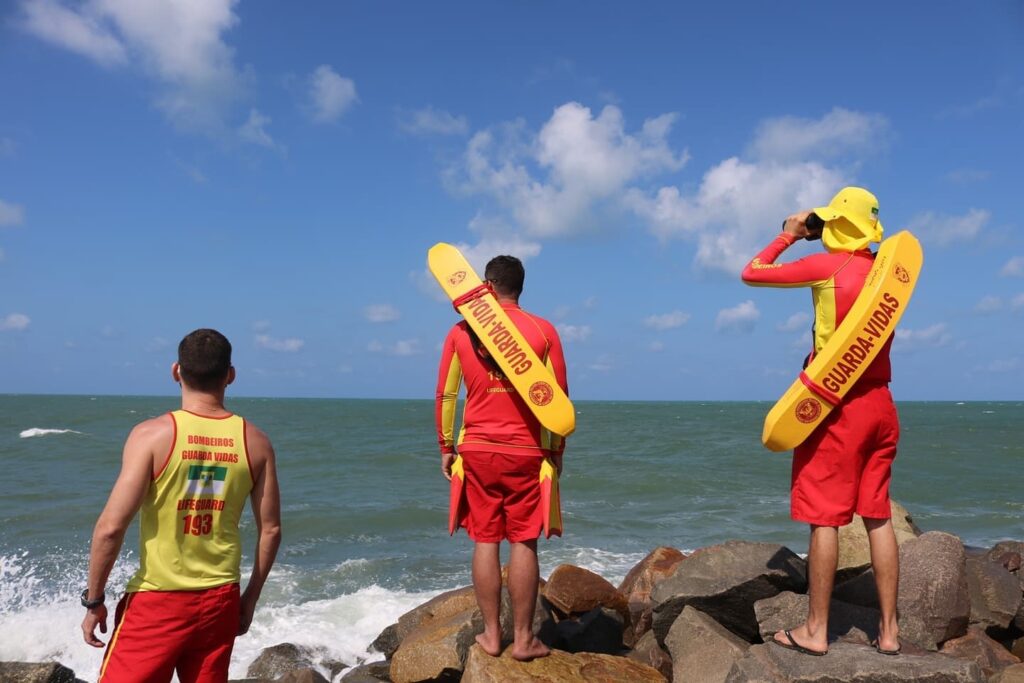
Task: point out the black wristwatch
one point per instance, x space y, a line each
89 604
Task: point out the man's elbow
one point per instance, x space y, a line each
107 531
271 531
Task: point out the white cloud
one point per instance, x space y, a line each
944 229
1001 365
795 322
989 304
739 318
403 347
331 94
430 121
656 346
179 44
286 345
573 333
791 138
1013 268
667 321
254 130
10 214
603 363
491 245
934 336
381 313
965 176
261 326
15 322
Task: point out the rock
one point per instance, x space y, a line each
303 676
31 672
439 607
849 663
854 551
1006 547
701 648
995 593
279 659
574 590
599 630
1011 674
637 586
850 623
978 647
933 603
1017 649
1010 561
647 651
437 648
558 667
724 581
374 672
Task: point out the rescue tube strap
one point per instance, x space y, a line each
483 289
829 397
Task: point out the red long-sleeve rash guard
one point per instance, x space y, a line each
495 418
835 280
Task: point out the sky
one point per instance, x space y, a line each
278 171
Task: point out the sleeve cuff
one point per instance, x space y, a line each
787 238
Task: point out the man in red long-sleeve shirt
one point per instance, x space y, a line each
845 465
502 445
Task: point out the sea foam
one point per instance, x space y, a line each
38 431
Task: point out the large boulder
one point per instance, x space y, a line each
933 604
976 646
647 651
303 676
439 607
854 550
437 648
1011 674
701 648
724 581
32 672
851 623
995 593
574 590
636 587
849 663
374 672
277 660
558 667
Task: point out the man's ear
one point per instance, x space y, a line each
176 372
231 375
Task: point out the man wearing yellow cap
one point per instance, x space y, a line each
845 465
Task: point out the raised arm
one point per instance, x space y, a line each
449 379
266 508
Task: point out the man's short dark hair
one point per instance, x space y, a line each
204 359
506 275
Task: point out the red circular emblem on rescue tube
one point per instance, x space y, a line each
457 277
808 410
901 273
541 393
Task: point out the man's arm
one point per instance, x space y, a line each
449 379
266 508
763 271
124 501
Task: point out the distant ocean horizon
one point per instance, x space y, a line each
364 503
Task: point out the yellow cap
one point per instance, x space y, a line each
851 220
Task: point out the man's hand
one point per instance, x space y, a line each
95 616
796 225
247 607
556 460
447 459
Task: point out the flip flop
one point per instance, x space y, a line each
796 647
891 653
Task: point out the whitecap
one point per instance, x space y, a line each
38 431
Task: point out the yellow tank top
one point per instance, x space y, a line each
189 528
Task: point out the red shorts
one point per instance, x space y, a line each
846 464
503 496
159 632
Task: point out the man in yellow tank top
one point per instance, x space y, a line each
190 473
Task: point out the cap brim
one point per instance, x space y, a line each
827 213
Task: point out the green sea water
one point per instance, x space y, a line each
364 502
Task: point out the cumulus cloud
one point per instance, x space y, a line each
254 130
285 345
795 322
573 333
944 229
792 138
430 121
403 347
1013 268
934 336
14 322
667 321
11 214
739 318
989 304
179 44
381 313
331 94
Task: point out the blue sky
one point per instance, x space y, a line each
279 170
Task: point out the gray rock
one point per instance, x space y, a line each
994 592
439 607
641 579
933 605
303 676
850 623
977 647
854 551
277 660
849 663
724 581
31 672
701 648
374 672
858 590
647 651
437 648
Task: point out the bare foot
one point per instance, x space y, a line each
532 650
802 640
490 643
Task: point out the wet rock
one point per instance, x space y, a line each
854 550
636 587
31 672
439 607
277 660
574 590
933 604
436 649
701 648
374 672
558 667
724 581
978 647
851 623
995 593
647 651
849 663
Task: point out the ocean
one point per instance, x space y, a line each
365 504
